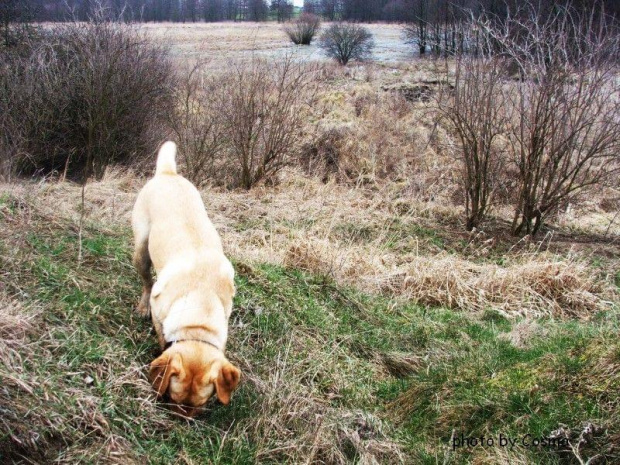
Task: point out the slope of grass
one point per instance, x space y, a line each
331 374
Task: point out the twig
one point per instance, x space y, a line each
610 223
446 459
81 225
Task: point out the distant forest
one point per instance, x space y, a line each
429 11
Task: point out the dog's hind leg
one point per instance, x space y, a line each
142 262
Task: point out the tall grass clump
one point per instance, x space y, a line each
303 29
80 97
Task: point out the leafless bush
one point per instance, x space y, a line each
84 96
416 34
239 126
545 91
564 134
261 104
198 126
303 29
344 42
475 109
14 22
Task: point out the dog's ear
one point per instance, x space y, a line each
162 368
226 381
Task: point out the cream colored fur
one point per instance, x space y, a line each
195 282
192 297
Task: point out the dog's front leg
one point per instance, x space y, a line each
159 329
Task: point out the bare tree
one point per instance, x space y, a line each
303 29
346 10
9 12
262 109
475 108
329 9
344 42
14 18
311 7
565 133
213 10
257 10
283 9
85 95
416 32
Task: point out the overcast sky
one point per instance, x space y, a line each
298 2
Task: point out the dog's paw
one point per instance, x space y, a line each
143 307
143 310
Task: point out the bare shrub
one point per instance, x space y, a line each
14 22
303 29
198 126
416 33
83 96
475 109
564 134
261 104
344 42
439 30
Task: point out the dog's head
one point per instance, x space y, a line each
190 373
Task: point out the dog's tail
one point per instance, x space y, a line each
166 163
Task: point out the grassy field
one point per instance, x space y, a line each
369 326
332 372
224 41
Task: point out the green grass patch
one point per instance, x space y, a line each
330 373
493 387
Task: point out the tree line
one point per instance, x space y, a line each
427 12
148 10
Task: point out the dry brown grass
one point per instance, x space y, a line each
368 227
226 40
531 286
367 238
521 335
376 240
73 367
535 286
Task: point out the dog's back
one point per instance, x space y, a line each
170 211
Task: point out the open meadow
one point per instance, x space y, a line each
369 325
224 41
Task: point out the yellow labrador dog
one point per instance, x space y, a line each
191 302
